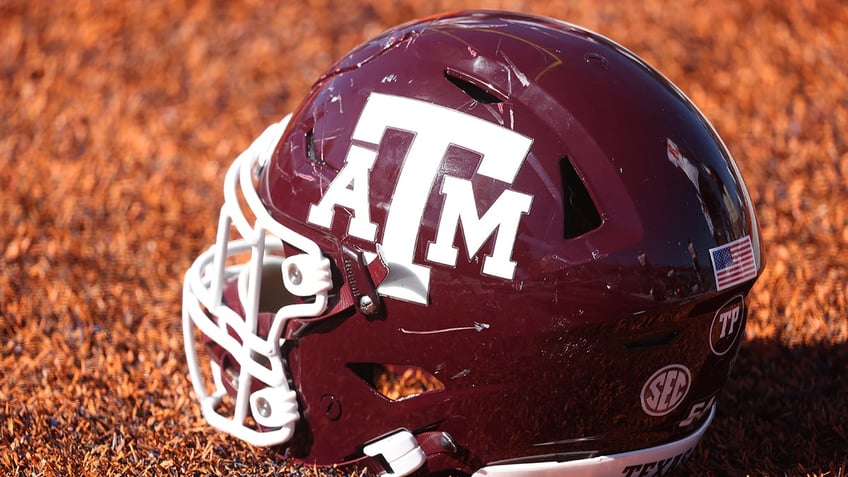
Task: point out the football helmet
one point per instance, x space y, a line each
485 241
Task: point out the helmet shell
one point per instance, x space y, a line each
601 336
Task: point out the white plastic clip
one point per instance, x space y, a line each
307 275
274 407
400 451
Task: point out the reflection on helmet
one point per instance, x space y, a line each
485 242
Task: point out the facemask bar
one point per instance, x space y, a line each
274 405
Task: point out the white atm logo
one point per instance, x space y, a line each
435 129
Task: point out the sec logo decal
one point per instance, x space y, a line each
728 323
666 389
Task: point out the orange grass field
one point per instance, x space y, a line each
118 120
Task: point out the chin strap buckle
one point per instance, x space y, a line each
362 278
400 451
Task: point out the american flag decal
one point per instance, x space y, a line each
733 263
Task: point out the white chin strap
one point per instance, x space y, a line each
273 406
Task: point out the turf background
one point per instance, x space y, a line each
117 122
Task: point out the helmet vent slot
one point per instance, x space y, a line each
396 382
478 90
653 341
311 153
579 211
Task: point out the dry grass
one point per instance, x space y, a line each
118 119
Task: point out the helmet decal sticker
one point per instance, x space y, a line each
350 189
435 128
698 409
727 325
659 467
733 263
665 389
502 216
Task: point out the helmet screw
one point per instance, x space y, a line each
263 407
366 304
331 406
446 442
295 277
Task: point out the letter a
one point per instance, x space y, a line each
350 189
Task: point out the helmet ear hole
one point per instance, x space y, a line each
396 382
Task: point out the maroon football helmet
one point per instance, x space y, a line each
518 213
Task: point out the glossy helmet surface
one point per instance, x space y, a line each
519 212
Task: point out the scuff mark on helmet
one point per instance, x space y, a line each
476 327
407 38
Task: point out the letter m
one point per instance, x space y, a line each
502 219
